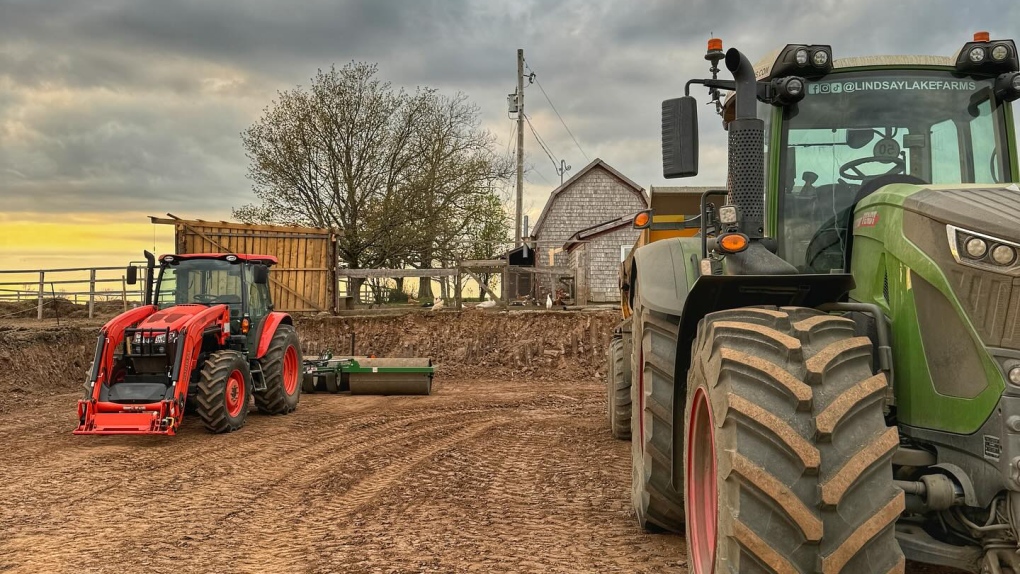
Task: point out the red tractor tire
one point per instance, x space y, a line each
281 368
224 392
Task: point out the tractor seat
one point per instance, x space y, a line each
229 299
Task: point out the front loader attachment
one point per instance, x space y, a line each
368 376
105 418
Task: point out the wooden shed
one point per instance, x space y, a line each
595 256
304 281
594 195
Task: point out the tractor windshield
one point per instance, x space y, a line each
854 128
205 281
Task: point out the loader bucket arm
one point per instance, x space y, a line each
159 417
110 337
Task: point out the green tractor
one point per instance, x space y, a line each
827 377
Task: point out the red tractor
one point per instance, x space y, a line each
206 341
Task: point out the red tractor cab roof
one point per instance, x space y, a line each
268 260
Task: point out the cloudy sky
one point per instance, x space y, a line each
114 109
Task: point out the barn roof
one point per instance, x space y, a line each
597 162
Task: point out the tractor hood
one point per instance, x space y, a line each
172 318
994 210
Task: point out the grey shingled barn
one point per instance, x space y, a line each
595 195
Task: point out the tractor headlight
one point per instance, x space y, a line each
1014 375
806 60
987 57
1003 254
982 251
787 91
728 214
1007 86
160 349
976 247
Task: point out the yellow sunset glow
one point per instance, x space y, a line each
43 241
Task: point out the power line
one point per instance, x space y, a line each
541 143
551 105
510 140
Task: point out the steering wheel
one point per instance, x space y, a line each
851 170
205 298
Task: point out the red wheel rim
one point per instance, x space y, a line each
290 370
235 393
701 486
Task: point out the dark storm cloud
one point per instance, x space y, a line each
137 105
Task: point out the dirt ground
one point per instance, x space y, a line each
510 472
484 476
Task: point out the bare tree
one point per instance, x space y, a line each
404 178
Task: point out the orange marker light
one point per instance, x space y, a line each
715 45
733 242
982 36
642 219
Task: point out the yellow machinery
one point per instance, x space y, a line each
663 220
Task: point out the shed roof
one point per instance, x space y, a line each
597 162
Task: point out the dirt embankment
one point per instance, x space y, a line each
42 361
547 344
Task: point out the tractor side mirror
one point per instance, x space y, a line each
680 137
132 275
261 275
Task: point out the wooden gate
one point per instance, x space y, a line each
304 281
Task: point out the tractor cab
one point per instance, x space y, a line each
241 282
868 122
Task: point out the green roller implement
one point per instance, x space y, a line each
368 375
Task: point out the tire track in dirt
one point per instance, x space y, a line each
203 482
449 483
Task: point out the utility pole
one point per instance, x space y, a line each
520 146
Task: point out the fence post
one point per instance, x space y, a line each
458 290
42 279
92 293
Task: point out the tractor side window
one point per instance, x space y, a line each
945 153
168 287
988 164
258 304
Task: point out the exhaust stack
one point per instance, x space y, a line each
746 149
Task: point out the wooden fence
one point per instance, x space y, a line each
304 280
78 284
468 269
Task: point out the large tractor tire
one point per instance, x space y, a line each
787 454
224 392
281 367
657 504
618 386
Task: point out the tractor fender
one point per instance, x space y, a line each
272 321
660 273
